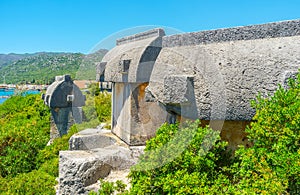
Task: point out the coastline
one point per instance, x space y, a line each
6 93
23 87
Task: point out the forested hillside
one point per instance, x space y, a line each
87 69
6 59
42 68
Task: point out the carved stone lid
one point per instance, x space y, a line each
133 58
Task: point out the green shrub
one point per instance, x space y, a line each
50 167
3 185
272 164
103 106
52 151
26 161
200 159
98 105
94 89
89 110
109 188
35 182
41 181
24 128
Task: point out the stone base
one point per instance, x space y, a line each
94 154
92 138
79 169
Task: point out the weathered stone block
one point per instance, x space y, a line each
129 101
79 169
90 139
178 89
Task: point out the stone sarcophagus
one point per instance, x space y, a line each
128 66
65 101
208 75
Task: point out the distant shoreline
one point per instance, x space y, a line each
7 93
23 87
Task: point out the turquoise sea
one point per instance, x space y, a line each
6 93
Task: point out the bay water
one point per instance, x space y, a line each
6 93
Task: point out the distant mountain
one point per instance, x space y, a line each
87 69
42 67
6 59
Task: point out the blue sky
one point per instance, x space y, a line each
28 26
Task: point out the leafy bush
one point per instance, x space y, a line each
50 166
103 106
94 89
35 182
89 110
98 105
272 164
47 159
42 180
24 127
202 161
109 188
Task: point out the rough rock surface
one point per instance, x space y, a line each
91 138
112 177
121 175
79 169
95 154
262 31
227 75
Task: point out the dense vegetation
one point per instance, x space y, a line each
27 165
42 68
24 131
87 67
271 166
98 105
